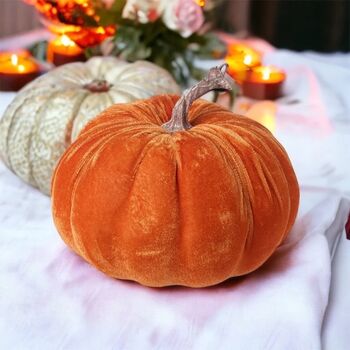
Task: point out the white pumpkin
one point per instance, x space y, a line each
48 114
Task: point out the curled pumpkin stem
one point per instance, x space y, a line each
217 80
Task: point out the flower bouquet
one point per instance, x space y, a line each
169 33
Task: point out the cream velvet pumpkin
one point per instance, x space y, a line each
48 114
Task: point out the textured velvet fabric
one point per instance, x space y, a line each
187 208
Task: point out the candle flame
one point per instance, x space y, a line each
21 68
247 60
266 72
66 41
14 59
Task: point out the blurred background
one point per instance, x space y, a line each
318 25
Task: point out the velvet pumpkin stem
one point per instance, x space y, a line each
215 80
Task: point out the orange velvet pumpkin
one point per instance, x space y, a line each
163 204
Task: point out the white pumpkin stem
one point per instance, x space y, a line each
98 85
217 79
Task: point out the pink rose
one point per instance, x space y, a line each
184 16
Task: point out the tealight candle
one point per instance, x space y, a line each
241 59
16 70
263 83
62 50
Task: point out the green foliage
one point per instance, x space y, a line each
158 44
111 15
39 50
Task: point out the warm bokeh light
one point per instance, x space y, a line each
17 63
240 59
66 41
14 59
267 74
201 3
62 50
64 45
247 60
264 112
67 11
244 53
75 18
21 68
88 37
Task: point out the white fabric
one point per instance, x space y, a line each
322 83
52 299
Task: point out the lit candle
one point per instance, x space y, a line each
62 50
263 83
241 59
16 70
